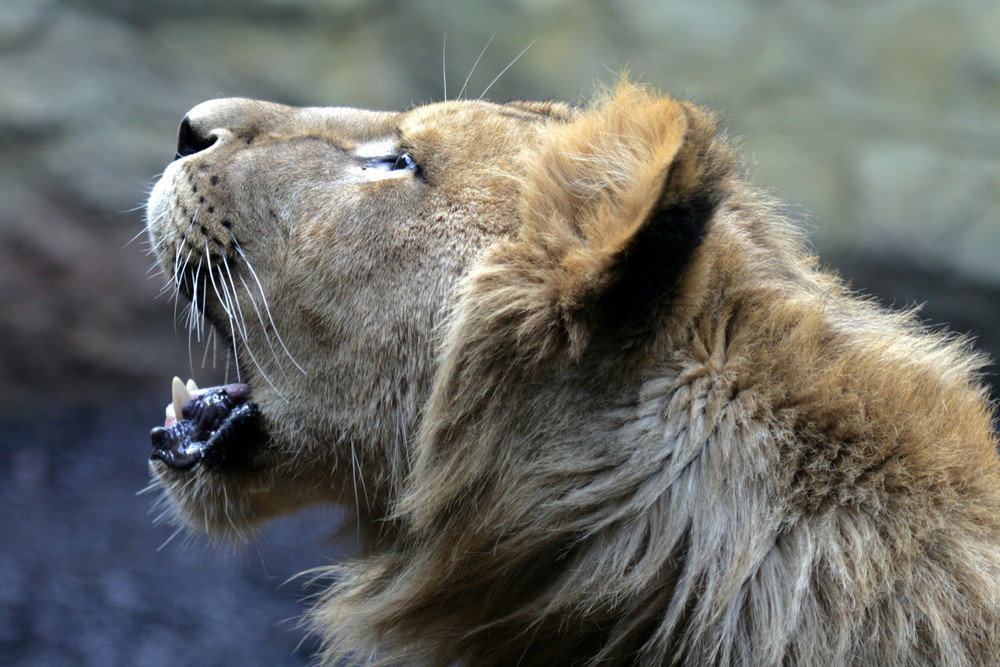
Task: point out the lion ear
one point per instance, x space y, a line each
619 200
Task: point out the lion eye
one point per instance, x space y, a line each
405 161
393 163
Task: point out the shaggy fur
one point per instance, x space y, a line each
650 429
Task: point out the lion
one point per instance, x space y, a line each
586 389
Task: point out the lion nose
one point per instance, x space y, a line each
190 140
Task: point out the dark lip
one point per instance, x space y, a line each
220 428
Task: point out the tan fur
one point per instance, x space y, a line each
562 460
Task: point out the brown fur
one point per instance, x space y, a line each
649 429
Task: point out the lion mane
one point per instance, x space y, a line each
659 433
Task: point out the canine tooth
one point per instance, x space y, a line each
171 413
181 395
191 386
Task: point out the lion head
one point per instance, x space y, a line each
592 396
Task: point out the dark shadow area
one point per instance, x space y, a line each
84 579
944 300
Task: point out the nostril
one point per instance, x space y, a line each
189 141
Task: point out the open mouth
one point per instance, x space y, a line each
216 426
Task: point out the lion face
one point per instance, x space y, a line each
320 245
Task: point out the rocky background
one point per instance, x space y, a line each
878 121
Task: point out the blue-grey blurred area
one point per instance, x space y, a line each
879 122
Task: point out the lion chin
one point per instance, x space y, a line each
583 387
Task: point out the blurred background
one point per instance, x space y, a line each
879 122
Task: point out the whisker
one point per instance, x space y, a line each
240 320
133 239
233 301
153 247
137 207
183 237
474 65
179 267
155 266
174 264
152 486
168 287
170 539
210 344
198 318
444 66
267 307
194 317
178 279
222 302
263 326
504 70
